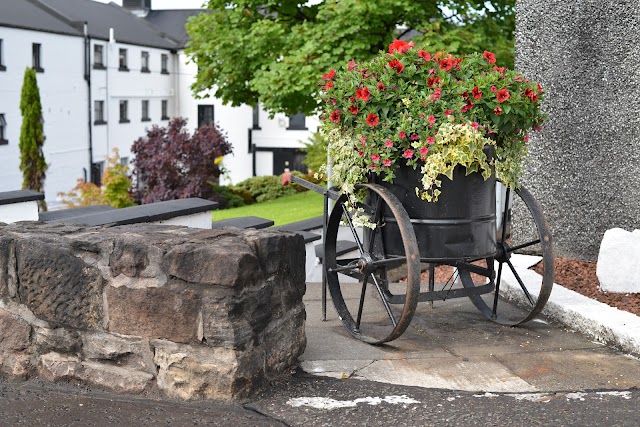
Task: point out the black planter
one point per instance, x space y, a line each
460 225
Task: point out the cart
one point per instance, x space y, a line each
414 244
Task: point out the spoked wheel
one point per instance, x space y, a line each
367 308
522 230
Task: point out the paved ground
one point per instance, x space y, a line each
452 367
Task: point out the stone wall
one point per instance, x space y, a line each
584 167
144 308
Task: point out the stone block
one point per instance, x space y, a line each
59 340
15 333
153 313
225 262
57 286
618 267
119 351
285 341
189 372
5 253
56 367
16 364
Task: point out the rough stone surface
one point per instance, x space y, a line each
618 267
56 367
15 333
57 286
118 351
153 313
142 308
584 167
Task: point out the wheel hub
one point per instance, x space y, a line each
365 263
503 252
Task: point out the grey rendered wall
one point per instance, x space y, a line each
584 167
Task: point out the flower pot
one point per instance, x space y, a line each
460 225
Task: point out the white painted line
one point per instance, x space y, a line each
327 403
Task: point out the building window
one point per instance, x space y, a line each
164 60
2 67
124 111
144 62
98 113
205 115
96 172
165 110
98 57
297 122
123 60
256 116
145 111
124 161
3 125
36 50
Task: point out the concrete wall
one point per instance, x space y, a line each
584 167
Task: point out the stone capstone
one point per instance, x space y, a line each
618 267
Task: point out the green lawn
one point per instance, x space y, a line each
282 211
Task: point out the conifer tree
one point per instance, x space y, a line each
32 163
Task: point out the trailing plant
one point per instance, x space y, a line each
32 162
171 164
428 110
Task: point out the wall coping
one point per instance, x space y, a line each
19 196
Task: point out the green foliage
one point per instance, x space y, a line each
273 50
263 188
230 198
116 185
32 163
315 150
429 110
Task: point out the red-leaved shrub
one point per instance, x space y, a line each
171 164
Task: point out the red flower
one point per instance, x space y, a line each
328 86
402 135
424 55
499 69
361 153
448 112
465 95
335 116
539 88
494 89
469 105
475 125
353 109
330 75
432 81
397 65
502 95
534 97
386 162
517 79
363 94
372 119
400 46
490 57
497 110
446 64
414 137
407 154
351 65
380 86
477 94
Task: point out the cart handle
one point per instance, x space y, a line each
333 195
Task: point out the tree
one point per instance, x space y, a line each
32 163
275 50
171 164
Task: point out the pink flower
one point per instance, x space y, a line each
374 166
386 162
375 157
431 119
494 89
414 137
436 95
363 139
407 154
497 111
388 143
361 153
423 151
447 112
474 125
431 140
351 65
526 138
402 135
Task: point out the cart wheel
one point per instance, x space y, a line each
366 308
522 229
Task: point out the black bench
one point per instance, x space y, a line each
19 196
243 222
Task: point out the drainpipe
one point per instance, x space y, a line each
87 78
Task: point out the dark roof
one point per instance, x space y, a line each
128 28
172 22
31 15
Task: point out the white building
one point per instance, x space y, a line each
106 74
